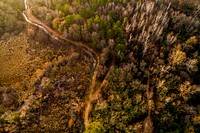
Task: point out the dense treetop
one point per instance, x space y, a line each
155 48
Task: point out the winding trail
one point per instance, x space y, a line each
32 20
92 94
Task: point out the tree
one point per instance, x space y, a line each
95 127
56 23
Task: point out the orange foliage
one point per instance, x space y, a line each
71 122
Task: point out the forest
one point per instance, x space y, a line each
146 77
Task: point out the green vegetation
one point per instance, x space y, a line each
155 79
95 127
155 46
10 16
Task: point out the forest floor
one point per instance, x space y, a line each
41 76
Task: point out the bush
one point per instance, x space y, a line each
95 127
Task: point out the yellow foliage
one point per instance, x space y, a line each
196 119
160 83
71 122
56 23
185 89
160 105
177 57
192 40
38 72
137 127
138 98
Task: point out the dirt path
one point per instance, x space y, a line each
92 94
148 122
95 95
